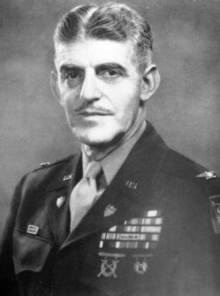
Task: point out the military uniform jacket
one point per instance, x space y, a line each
150 233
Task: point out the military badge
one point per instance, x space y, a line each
141 265
109 264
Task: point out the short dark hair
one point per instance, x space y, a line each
111 21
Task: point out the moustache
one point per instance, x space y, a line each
89 107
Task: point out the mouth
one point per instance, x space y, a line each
93 113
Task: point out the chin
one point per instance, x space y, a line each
95 136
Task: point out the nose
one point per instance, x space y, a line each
90 89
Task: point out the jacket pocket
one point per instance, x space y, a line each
29 252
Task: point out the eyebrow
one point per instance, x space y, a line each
111 66
67 68
101 67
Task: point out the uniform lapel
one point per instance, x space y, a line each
57 199
130 192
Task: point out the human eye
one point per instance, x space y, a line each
110 74
72 75
72 78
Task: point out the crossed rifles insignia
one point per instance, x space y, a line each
109 264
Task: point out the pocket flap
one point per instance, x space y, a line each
29 252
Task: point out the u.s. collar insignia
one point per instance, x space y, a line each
109 264
68 177
110 210
207 175
132 185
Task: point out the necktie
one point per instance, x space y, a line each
85 193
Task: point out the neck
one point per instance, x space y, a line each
98 152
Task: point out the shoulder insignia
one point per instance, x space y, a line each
215 212
207 175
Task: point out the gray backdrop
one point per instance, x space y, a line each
185 109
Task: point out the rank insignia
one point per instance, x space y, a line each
207 175
32 229
44 164
109 264
215 212
68 177
110 210
141 265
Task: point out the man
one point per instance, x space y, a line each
128 216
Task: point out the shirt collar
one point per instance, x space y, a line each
113 161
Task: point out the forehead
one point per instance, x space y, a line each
91 52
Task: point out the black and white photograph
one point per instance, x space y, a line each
110 148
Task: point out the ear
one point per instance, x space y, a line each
150 82
54 86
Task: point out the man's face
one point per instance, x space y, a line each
99 87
